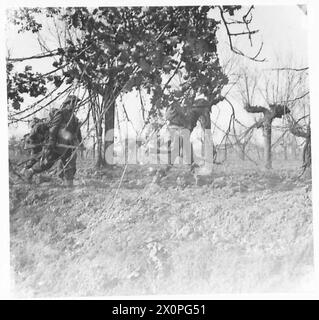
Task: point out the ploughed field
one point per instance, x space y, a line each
244 229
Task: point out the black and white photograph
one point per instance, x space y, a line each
158 150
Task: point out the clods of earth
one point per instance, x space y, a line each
243 229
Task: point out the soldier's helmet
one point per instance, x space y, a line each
201 103
70 101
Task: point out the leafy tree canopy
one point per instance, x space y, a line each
118 49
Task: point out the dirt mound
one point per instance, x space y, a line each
245 231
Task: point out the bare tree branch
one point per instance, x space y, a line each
255 109
288 69
38 56
248 32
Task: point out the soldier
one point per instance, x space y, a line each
36 138
183 120
200 111
177 123
52 113
64 128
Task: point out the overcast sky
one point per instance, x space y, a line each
283 30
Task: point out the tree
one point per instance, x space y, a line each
305 133
269 114
110 51
283 89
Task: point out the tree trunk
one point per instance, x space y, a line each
93 148
294 147
306 154
298 131
100 162
267 141
205 121
203 145
274 111
158 149
126 153
109 122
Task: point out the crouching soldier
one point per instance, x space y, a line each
35 140
64 129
